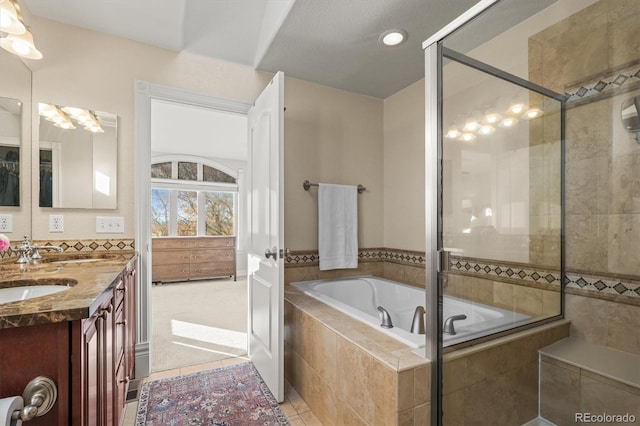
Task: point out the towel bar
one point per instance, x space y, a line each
306 185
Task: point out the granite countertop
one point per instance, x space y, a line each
89 280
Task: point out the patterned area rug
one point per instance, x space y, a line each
228 396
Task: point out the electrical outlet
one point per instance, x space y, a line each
56 223
6 222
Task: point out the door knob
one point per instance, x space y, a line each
271 253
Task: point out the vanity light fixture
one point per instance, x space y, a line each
61 117
19 40
393 37
9 21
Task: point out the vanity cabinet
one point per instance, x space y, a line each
189 258
103 352
86 346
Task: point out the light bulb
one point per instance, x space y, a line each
471 125
532 113
508 122
517 108
467 137
492 117
452 133
486 130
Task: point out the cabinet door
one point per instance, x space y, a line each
91 383
130 318
108 364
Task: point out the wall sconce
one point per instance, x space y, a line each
18 40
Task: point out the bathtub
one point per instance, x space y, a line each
359 298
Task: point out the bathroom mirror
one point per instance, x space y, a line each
10 123
15 145
78 157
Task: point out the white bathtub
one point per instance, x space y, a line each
360 297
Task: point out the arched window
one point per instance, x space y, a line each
192 197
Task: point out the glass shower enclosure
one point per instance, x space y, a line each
532 207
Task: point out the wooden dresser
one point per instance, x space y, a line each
191 258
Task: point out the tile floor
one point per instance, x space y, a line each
233 293
294 407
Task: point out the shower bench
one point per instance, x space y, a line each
579 379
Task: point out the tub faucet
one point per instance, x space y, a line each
417 325
448 327
385 318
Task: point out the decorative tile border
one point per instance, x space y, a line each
599 285
621 290
513 271
405 257
622 78
84 246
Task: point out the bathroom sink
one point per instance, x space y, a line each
11 291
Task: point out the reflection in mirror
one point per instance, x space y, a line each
78 158
10 123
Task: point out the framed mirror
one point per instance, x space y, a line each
10 129
78 158
15 146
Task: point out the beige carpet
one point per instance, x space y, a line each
196 322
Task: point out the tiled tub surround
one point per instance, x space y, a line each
580 377
350 373
496 382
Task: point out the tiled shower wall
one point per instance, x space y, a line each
594 56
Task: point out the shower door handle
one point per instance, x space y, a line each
443 260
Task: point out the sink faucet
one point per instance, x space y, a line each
36 254
29 252
448 327
385 318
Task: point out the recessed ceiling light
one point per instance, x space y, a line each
393 37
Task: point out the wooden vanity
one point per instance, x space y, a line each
82 338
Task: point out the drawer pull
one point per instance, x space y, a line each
125 380
121 322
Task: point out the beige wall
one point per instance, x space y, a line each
88 69
331 136
404 168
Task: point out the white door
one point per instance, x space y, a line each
265 236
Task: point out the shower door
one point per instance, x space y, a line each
500 233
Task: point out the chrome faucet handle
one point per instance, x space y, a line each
448 327
36 254
25 251
385 318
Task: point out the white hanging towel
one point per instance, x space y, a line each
337 226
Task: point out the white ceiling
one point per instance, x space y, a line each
331 42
